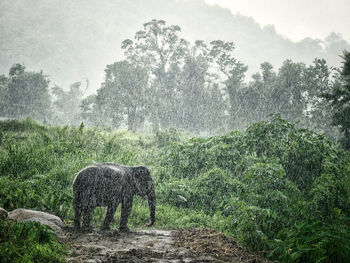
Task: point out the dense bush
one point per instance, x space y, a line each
29 242
313 241
268 180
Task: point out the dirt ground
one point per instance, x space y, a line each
188 245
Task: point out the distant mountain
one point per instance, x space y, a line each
73 40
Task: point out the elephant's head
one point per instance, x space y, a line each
145 187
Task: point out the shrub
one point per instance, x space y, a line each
313 241
29 242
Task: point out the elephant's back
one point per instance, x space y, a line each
98 184
96 175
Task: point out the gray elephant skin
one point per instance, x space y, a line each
109 184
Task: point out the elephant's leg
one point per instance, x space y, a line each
77 216
109 216
126 209
87 218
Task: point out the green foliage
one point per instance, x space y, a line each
270 188
168 217
330 192
124 92
66 105
313 241
266 179
211 189
280 190
340 98
28 94
233 71
166 138
166 82
29 242
301 152
159 49
25 125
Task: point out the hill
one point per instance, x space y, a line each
74 40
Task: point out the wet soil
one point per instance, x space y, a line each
188 245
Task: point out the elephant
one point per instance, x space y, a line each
108 184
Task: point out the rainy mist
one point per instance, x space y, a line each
178 133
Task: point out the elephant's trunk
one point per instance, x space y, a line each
152 205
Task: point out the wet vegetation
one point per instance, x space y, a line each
280 190
29 242
265 161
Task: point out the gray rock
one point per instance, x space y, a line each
22 214
43 222
25 215
3 213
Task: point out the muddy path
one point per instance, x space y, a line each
190 245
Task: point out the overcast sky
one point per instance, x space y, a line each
296 19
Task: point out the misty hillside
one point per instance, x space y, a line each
74 40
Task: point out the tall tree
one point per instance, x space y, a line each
3 96
340 100
288 90
124 94
233 71
318 110
264 86
67 104
28 94
89 111
268 74
193 96
159 48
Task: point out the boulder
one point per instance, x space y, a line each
45 222
25 215
22 214
3 213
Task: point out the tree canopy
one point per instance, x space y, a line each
340 100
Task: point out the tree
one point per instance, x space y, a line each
156 47
234 72
160 50
318 109
264 89
89 111
268 74
214 110
200 100
340 100
67 104
3 96
28 94
123 94
288 90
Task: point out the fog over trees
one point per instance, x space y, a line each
184 64
72 40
